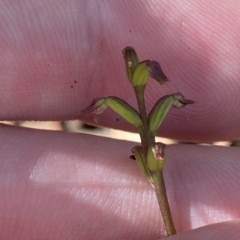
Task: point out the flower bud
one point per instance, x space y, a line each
155 157
116 104
131 61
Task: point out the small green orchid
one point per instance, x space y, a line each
150 156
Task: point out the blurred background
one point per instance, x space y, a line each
78 126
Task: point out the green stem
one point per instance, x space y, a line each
161 194
147 139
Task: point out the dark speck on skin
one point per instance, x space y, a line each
75 81
130 30
132 157
117 119
71 86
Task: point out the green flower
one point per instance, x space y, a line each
139 72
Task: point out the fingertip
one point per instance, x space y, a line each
223 231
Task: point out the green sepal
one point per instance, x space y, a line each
159 112
124 110
142 162
141 74
162 107
118 105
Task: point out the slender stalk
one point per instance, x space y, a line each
161 194
147 139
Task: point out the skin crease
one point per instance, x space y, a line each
56 56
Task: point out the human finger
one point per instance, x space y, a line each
74 186
57 57
224 231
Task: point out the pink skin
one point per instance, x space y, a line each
71 186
